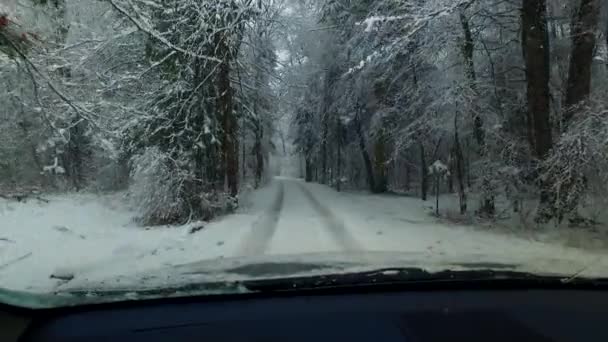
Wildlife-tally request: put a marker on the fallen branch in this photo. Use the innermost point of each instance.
(63, 275)
(23, 196)
(5, 265)
(196, 228)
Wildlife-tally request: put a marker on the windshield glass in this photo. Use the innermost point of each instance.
(157, 144)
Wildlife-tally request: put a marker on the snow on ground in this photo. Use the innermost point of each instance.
(93, 238)
(522, 223)
(404, 224)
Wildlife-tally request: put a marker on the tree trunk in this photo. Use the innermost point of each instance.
(339, 166)
(468, 49)
(606, 34)
(368, 163)
(459, 166)
(581, 57)
(424, 173)
(196, 187)
(407, 177)
(466, 164)
(243, 157)
(487, 206)
(76, 150)
(212, 170)
(366, 159)
(450, 176)
(380, 160)
(537, 57)
(437, 195)
(229, 141)
(328, 82)
(308, 169)
(330, 170)
(536, 51)
(25, 124)
(259, 156)
(75, 153)
(324, 150)
(340, 135)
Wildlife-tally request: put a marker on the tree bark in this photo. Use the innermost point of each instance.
(230, 145)
(243, 156)
(459, 166)
(75, 153)
(581, 57)
(537, 57)
(466, 164)
(437, 177)
(487, 206)
(536, 51)
(365, 154)
(77, 148)
(424, 173)
(606, 34)
(340, 141)
(308, 169)
(380, 160)
(407, 177)
(339, 166)
(452, 169)
(468, 49)
(259, 156)
(324, 149)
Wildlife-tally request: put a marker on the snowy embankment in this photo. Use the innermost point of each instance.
(399, 223)
(94, 238)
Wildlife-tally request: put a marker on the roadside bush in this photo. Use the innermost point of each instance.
(157, 187)
(165, 191)
(578, 163)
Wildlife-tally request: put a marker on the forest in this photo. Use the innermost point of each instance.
(184, 104)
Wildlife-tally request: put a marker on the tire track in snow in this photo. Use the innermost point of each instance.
(264, 227)
(334, 226)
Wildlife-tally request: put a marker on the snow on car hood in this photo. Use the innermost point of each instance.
(314, 264)
(224, 276)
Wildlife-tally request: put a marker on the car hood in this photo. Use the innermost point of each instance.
(225, 276)
(314, 264)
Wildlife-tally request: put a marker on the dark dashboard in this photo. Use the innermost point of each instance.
(357, 315)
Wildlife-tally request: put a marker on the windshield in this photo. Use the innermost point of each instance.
(166, 143)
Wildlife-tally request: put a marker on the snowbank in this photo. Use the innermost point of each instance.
(95, 237)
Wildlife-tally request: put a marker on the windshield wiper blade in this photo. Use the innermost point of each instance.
(416, 278)
(105, 295)
(375, 280)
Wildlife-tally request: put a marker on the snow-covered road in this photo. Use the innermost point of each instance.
(93, 238)
(312, 218)
(297, 222)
